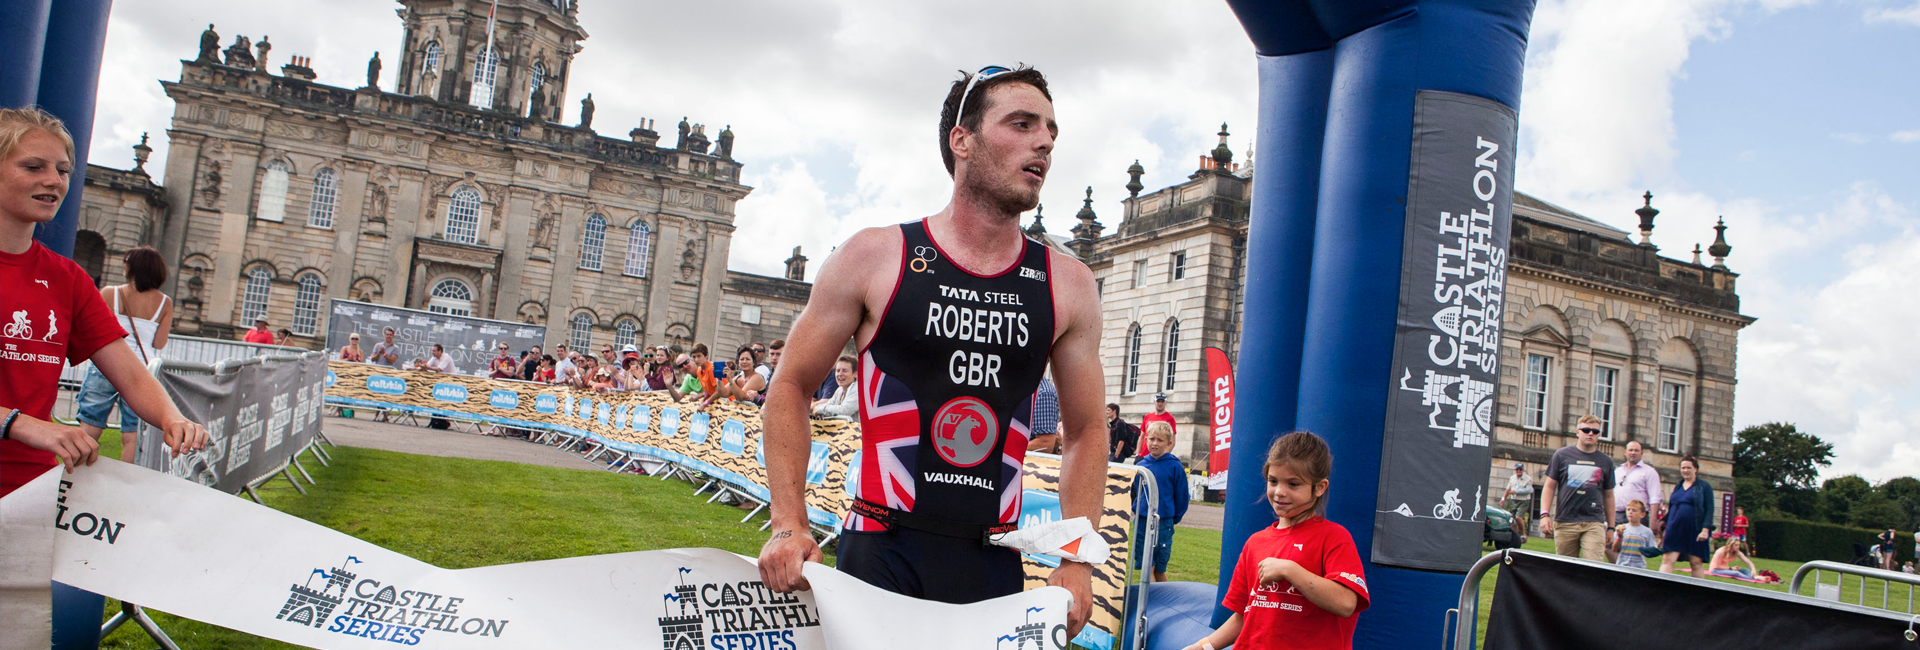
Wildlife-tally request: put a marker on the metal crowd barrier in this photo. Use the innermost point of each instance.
(190, 349)
(1831, 592)
(1466, 613)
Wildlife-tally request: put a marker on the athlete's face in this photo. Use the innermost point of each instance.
(1006, 162)
(34, 179)
(1291, 494)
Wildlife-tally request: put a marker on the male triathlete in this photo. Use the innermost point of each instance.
(956, 316)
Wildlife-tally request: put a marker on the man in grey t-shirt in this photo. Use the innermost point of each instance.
(1578, 496)
(386, 352)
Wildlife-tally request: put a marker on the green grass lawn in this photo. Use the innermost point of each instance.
(458, 513)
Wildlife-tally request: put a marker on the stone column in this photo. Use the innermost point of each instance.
(486, 302)
(417, 287)
(235, 214)
(519, 220)
(719, 240)
(666, 237)
(180, 180)
(566, 265)
(346, 229)
(409, 200)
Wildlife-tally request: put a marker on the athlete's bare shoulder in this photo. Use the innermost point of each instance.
(1076, 298)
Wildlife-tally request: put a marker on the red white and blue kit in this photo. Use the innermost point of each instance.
(946, 397)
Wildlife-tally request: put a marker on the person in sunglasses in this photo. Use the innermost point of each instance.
(1577, 499)
(958, 315)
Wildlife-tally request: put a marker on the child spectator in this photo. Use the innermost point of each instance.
(1170, 479)
(1298, 584)
(56, 314)
(1634, 540)
(1740, 524)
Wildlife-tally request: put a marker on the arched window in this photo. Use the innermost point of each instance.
(624, 331)
(1132, 382)
(451, 296)
(433, 59)
(320, 209)
(639, 249)
(306, 305)
(538, 78)
(253, 302)
(1173, 355)
(578, 332)
(485, 65)
(273, 192)
(593, 243)
(463, 216)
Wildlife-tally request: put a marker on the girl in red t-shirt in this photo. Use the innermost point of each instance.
(1299, 583)
(53, 314)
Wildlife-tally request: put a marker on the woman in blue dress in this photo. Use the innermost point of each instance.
(1689, 521)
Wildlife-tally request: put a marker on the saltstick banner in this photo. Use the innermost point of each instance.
(1446, 347)
(1220, 410)
(117, 530)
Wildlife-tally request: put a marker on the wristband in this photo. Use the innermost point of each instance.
(6, 429)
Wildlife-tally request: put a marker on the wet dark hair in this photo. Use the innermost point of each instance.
(145, 268)
(977, 105)
(1307, 455)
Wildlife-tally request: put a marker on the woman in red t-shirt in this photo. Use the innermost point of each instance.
(51, 313)
(1298, 584)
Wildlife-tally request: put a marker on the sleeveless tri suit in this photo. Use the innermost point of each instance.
(946, 398)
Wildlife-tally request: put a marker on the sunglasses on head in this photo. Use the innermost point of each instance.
(989, 72)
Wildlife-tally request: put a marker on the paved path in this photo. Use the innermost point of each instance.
(1201, 516)
(362, 431)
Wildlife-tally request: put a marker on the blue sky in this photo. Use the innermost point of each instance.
(1796, 120)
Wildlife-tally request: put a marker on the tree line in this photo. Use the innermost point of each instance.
(1776, 472)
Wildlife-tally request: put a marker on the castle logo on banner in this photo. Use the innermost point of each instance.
(354, 605)
(731, 616)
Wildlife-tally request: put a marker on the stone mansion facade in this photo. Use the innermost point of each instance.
(456, 190)
(1598, 323)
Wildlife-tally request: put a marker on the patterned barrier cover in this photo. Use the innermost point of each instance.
(724, 442)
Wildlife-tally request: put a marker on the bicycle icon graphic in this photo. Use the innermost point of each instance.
(20, 328)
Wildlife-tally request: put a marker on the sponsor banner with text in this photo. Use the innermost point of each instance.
(1220, 413)
(257, 416)
(470, 341)
(114, 529)
(1446, 353)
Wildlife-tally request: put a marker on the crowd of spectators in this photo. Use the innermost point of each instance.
(691, 376)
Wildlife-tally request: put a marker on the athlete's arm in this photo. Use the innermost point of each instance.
(1082, 386)
(833, 314)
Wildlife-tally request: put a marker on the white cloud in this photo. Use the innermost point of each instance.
(1909, 14)
(1831, 287)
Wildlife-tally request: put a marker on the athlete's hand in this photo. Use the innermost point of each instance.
(1076, 577)
(183, 436)
(782, 557)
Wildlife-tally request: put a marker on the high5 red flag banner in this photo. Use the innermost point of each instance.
(1220, 415)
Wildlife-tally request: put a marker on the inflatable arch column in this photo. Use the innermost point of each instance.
(1338, 86)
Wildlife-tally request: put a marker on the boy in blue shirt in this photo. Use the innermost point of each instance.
(1170, 477)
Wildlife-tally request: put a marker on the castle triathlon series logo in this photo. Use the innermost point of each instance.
(1035, 633)
(358, 606)
(731, 616)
